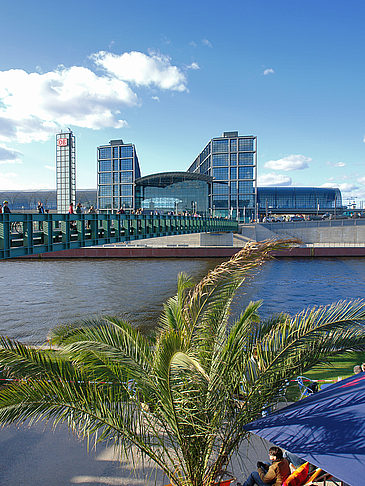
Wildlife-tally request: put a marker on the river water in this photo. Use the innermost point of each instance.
(38, 295)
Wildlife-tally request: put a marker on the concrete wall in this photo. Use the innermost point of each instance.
(323, 233)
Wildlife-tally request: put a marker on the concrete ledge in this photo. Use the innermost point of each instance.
(195, 252)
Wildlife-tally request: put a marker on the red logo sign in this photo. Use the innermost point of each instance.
(62, 142)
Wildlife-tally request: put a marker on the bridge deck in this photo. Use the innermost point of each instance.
(30, 234)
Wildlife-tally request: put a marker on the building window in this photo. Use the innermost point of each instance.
(221, 173)
(126, 177)
(115, 152)
(105, 191)
(233, 145)
(245, 159)
(126, 151)
(233, 171)
(245, 172)
(245, 144)
(219, 146)
(105, 165)
(220, 159)
(126, 164)
(126, 190)
(115, 164)
(105, 153)
(233, 159)
(105, 178)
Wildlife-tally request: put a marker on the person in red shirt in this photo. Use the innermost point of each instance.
(71, 209)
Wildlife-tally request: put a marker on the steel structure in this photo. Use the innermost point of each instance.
(29, 234)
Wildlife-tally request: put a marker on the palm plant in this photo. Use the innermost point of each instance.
(182, 397)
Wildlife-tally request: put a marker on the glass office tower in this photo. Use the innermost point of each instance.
(232, 161)
(66, 170)
(118, 167)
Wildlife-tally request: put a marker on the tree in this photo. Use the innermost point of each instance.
(182, 396)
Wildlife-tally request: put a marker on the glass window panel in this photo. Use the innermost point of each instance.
(245, 172)
(220, 189)
(126, 151)
(233, 159)
(105, 153)
(126, 190)
(105, 178)
(245, 159)
(116, 177)
(115, 152)
(233, 171)
(221, 173)
(219, 146)
(105, 190)
(126, 177)
(126, 164)
(126, 202)
(105, 165)
(115, 164)
(220, 159)
(245, 144)
(233, 144)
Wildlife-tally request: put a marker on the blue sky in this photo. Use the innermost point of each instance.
(170, 75)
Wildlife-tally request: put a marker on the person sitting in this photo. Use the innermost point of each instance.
(362, 366)
(357, 369)
(274, 474)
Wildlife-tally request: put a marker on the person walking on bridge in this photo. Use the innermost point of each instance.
(6, 207)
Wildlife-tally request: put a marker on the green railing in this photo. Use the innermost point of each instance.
(29, 234)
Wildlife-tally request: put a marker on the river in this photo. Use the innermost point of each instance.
(38, 295)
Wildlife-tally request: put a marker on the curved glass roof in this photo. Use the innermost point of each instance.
(164, 179)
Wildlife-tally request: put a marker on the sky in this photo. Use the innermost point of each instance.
(170, 75)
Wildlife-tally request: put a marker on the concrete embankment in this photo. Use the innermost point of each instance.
(319, 239)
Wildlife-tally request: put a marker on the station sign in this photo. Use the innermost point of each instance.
(62, 142)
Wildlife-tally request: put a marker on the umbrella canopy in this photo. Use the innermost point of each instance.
(326, 429)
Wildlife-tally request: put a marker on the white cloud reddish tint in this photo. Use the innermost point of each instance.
(34, 106)
(142, 70)
(273, 180)
(290, 162)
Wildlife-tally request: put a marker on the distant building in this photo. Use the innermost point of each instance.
(231, 160)
(65, 170)
(304, 200)
(118, 168)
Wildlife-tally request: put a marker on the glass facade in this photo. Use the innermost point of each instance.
(176, 192)
(231, 160)
(298, 199)
(65, 171)
(118, 167)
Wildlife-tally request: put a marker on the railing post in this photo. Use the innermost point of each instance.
(28, 233)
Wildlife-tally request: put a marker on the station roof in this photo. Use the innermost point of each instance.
(164, 179)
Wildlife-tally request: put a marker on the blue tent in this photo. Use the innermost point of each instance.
(326, 429)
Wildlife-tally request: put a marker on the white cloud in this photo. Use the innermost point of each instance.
(207, 43)
(344, 187)
(363, 139)
(361, 180)
(50, 167)
(34, 106)
(269, 71)
(193, 65)
(336, 164)
(142, 70)
(274, 180)
(290, 162)
(156, 98)
(193, 44)
(9, 156)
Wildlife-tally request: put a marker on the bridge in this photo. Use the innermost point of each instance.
(30, 234)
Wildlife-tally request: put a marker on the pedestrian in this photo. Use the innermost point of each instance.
(40, 209)
(362, 366)
(71, 208)
(91, 210)
(1, 209)
(357, 369)
(6, 207)
(79, 208)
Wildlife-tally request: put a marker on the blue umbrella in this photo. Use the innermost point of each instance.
(326, 429)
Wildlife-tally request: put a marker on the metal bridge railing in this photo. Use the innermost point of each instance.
(29, 234)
